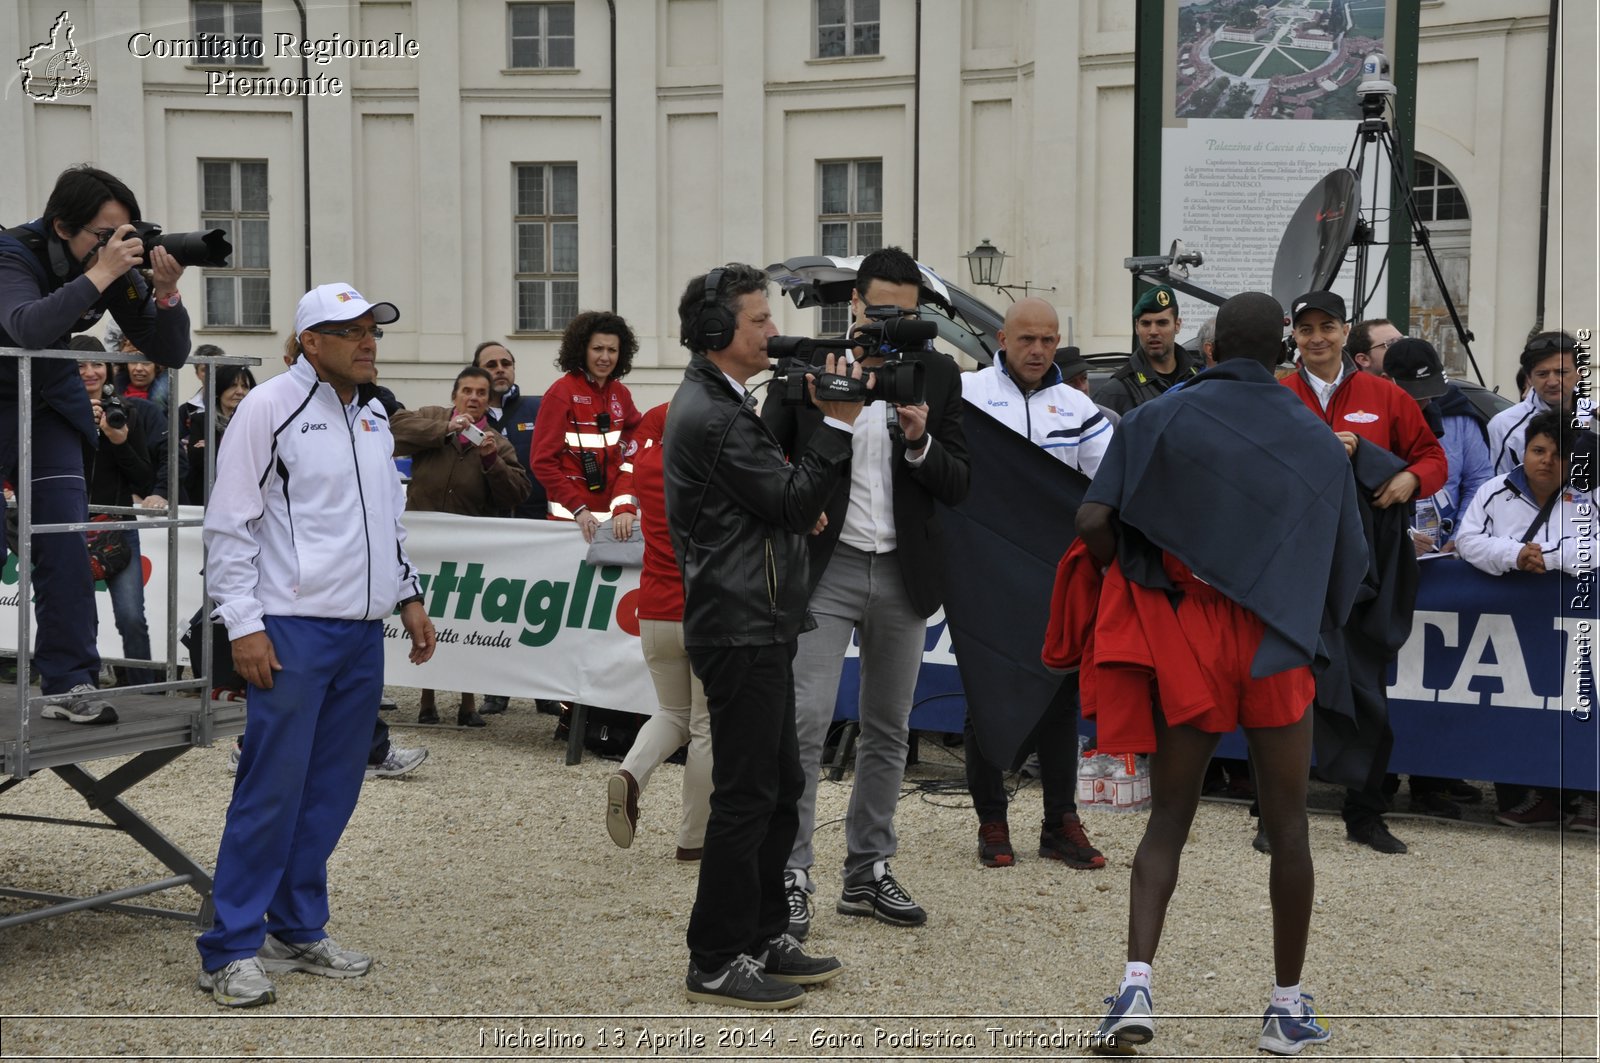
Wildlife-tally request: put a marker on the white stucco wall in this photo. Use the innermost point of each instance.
(1026, 132)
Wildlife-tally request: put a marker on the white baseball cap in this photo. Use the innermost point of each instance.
(339, 302)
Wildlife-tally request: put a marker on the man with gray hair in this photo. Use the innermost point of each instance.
(306, 559)
(738, 513)
(1205, 341)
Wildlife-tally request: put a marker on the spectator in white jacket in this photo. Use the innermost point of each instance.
(1531, 519)
(1551, 363)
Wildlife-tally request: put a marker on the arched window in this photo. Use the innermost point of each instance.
(1442, 207)
(1439, 198)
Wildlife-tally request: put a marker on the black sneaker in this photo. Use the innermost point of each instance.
(795, 882)
(494, 704)
(741, 983)
(785, 961)
(882, 898)
(1375, 834)
(1069, 843)
(994, 844)
(81, 704)
(1434, 803)
(1462, 792)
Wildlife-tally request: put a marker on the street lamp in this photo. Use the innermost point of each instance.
(985, 262)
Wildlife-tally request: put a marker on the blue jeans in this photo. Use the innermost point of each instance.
(64, 652)
(127, 607)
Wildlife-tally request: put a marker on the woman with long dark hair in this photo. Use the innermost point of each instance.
(583, 439)
(206, 427)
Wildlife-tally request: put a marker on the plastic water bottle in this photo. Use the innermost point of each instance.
(1089, 768)
(1428, 521)
(1130, 785)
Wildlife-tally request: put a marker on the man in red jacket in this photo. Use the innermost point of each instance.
(1363, 410)
(1359, 406)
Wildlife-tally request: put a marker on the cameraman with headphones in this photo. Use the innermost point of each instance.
(738, 514)
(59, 275)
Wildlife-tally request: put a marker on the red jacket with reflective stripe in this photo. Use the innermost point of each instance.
(568, 425)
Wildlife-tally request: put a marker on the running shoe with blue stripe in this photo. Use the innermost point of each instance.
(1129, 1022)
(1284, 1033)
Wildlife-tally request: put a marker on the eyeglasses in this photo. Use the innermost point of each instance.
(354, 332)
(1381, 346)
(102, 234)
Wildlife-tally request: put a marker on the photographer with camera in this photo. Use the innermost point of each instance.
(120, 467)
(876, 569)
(738, 512)
(458, 465)
(583, 437)
(59, 275)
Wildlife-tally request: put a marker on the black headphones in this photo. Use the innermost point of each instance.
(712, 328)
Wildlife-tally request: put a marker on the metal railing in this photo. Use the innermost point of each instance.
(170, 520)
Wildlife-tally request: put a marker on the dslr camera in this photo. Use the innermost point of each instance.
(209, 248)
(113, 410)
(885, 334)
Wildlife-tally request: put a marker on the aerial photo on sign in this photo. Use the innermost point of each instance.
(1279, 59)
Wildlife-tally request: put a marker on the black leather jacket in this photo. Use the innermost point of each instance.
(1137, 383)
(739, 513)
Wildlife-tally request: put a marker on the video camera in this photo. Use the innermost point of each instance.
(208, 248)
(885, 334)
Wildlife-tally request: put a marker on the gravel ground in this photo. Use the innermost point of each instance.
(507, 925)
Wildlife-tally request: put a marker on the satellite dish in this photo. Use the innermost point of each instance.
(1317, 236)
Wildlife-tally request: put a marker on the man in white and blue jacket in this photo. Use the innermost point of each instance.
(1025, 391)
(305, 559)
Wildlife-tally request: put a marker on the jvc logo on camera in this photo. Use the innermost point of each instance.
(307, 426)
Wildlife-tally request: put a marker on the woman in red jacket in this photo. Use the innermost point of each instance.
(583, 445)
(683, 716)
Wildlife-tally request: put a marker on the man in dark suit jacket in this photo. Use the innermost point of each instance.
(876, 568)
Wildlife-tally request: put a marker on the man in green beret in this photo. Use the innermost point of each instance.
(1158, 362)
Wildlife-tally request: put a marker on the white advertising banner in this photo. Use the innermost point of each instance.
(517, 609)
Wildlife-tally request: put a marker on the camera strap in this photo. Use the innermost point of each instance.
(1543, 516)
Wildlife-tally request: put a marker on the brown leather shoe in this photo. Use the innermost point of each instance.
(689, 855)
(622, 808)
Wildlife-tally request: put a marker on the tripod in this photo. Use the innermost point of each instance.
(1375, 127)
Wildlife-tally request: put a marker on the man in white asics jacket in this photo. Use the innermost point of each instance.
(1024, 390)
(305, 559)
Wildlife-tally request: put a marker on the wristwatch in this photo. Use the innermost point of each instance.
(169, 301)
